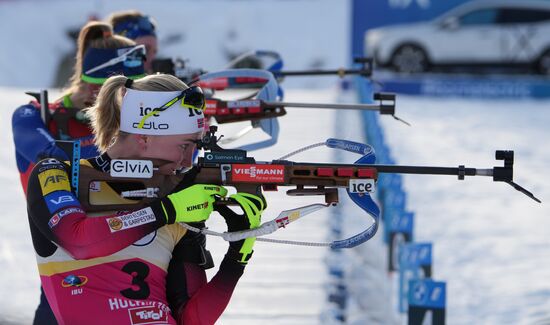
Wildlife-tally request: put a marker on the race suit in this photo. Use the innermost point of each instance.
(125, 267)
(34, 140)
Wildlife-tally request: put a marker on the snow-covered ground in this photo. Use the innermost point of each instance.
(491, 243)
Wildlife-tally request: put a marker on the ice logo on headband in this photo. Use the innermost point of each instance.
(144, 111)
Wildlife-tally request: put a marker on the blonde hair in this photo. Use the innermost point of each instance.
(105, 114)
(98, 35)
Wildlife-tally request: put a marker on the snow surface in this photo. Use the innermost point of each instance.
(491, 243)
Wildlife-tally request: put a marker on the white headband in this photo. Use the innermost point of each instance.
(176, 119)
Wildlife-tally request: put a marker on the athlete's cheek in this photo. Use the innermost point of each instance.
(184, 160)
(167, 169)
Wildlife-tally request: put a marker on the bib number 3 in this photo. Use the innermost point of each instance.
(139, 271)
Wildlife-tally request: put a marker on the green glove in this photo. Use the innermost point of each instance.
(253, 207)
(193, 204)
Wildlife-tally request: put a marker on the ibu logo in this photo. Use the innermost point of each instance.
(131, 168)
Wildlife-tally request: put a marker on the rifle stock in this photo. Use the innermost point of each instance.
(232, 167)
(305, 178)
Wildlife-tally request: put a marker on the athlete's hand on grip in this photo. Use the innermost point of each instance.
(253, 207)
(192, 204)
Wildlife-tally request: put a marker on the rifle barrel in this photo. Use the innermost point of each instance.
(425, 170)
(339, 72)
(433, 170)
(372, 107)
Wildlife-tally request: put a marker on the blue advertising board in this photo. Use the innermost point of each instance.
(495, 86)
(400, 232)
(427, 297)
(415, 262)
(427, 293)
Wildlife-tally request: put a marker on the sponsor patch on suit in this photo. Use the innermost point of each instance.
(59, 200)
(131, 220)
(58, 216)
(52, 180)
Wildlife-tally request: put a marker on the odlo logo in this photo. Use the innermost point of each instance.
(151, 126)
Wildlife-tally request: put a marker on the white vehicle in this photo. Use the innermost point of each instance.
(501, 33)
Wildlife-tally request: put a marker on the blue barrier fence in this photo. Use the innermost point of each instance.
(419, 295)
